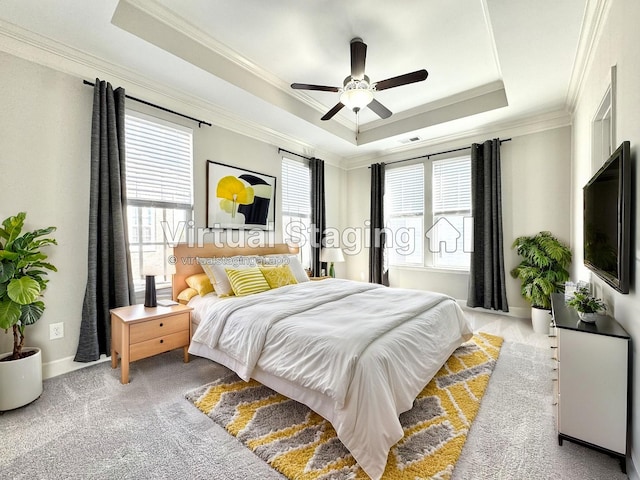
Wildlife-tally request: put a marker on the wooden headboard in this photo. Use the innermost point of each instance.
(186, 259)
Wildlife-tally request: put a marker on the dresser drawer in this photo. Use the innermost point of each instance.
(158, 345)
(140, 332)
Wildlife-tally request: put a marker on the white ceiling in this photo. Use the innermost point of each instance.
(489, 61)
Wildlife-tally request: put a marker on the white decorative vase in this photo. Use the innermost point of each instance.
(20, 380)
(588, 317)
(540, 320)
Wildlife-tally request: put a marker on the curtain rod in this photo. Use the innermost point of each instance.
(292, 153)
(200, 122)
(429, 155)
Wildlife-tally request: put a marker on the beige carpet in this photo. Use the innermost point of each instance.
(301, 445)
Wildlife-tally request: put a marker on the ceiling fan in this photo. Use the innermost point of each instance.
(357, 91)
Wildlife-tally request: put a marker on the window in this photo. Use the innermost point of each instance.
(159, 192)
(296, 206)
(440, 238)
(404, 212)
(451, 211)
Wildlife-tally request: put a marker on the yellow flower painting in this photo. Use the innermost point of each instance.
(233, 192)
(239, 199)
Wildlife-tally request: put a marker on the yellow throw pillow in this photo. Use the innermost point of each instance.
(187, 294)
(215, 270)
(278, 276)
(200, 282)
(247, 281)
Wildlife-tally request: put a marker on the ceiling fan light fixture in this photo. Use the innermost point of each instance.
(356, 94)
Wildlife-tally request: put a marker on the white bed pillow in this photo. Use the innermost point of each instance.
(287, 259)
(215, 270)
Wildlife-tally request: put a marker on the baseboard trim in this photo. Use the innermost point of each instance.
(632, 472)
(66, 365)
(517, 312)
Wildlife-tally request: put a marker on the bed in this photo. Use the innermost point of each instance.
(356, 353)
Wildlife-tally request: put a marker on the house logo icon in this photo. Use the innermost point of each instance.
(444, 236)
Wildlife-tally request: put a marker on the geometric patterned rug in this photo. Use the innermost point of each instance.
(302, 445)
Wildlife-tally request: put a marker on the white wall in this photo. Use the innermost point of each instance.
(535, 196)
(45, 131)
(617, 45)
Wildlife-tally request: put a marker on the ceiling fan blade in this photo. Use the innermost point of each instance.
(333, 111)
(379, 109)
(358, 58)
(306, 86)
(407, 78)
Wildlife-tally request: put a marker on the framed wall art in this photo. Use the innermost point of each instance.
(239, 199)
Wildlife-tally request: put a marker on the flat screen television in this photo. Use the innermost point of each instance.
(607, 228)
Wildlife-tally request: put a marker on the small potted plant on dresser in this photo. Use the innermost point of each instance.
(542, 271)
(588, 307)
(23, 272)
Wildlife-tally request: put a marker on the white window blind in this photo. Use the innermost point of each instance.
(159, 162)
(296, 206)
(451, 205)
(296, 188)
(159, 159)
(404, 190)
(452, 186)
(404, 212)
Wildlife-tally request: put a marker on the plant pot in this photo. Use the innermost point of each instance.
(20, 380)
(588, 317)
(540, 320)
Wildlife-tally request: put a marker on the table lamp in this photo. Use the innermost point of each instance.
(331, 255)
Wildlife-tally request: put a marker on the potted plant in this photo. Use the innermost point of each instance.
(542, 271)
(23, 272)
(587, 306)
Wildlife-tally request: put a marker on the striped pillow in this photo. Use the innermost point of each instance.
(247, 281)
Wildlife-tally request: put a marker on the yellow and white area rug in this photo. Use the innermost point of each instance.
(301, 445)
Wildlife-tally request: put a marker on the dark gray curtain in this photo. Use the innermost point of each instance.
(378, 272)
(487, 286)
(109, 279)
(318, 215)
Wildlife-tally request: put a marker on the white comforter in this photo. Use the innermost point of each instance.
(370, 349)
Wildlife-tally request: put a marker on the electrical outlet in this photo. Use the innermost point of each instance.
(56, 330)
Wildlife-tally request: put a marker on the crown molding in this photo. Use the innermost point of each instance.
(512, 128)
(595, 16)
(44, 51)
(134, 18)
(168, 17)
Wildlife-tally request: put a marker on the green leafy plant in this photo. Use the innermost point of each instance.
(543, 269)
(23, 272)
(582, 301)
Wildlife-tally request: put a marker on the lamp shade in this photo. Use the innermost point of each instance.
(331, 254)
(357, 98)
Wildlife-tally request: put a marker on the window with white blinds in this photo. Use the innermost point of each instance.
(451, 212)
(159, 160)
(404, 212)
(296, 206)
(159, 185)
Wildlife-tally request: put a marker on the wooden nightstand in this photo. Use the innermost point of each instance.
(319, 278)
(140, 332)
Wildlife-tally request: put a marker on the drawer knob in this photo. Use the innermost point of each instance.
(161, 341)
(162, 324)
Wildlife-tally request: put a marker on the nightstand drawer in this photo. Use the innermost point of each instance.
(140, 332)
(158, 345)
